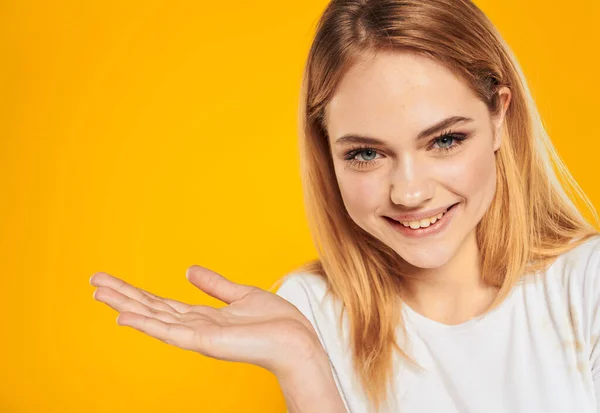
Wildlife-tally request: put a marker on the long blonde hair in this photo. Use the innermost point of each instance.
(362, 272)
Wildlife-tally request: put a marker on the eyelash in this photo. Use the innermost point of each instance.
(457, 139)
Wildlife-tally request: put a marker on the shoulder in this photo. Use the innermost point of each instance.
(571, 285)
(582, 268)
(584, 254)
(578, 267)
(309, 293)
(302, 289)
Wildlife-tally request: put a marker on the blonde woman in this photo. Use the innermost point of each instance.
(454, 273)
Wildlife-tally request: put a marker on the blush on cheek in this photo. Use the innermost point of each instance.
(361, 196)
(485, 171)
(479, 181)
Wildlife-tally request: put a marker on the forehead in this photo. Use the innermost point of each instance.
(397, 91)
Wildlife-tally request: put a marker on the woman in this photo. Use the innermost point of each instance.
(455, 274)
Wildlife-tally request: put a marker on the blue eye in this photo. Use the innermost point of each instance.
(449, 141)
(362, 150)
(368, 151)
(445, 139)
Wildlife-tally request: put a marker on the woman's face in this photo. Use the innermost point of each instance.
(392, 161)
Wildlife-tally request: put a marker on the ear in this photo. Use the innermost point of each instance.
(505, 95)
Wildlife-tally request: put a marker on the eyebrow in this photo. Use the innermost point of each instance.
(441, 125)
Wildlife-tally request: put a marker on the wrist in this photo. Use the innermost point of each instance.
(311, 357)
(310, 386)
(306, 354)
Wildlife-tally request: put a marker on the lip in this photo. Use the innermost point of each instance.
(433, 229)
(421, 215)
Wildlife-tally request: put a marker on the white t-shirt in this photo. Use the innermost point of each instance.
(537, 352)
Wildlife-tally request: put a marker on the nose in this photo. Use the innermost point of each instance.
(411, 184)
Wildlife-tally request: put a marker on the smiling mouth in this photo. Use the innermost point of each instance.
(425, 222)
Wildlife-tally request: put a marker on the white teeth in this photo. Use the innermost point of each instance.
(423, 223)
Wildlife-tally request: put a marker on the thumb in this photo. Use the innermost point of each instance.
(216, 285)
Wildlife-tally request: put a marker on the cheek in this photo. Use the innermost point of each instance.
(483, 180)
(361, 192)
(473, 176)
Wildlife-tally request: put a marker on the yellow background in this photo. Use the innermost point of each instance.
(141, 137)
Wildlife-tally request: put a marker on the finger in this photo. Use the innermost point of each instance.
(150, 300)
(121, 303)
(216, 285)
(174, 304)
(171, 333)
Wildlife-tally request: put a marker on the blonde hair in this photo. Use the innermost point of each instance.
(362, 272)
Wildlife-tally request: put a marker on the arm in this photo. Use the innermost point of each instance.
(256, 327)
(310, 387)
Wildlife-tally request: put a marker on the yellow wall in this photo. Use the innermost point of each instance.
(141, 137)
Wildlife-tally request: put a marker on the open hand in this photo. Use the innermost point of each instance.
(256, 326)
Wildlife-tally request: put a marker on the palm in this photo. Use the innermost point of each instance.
(256, 327)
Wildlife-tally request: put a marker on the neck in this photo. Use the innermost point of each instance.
(453, 293)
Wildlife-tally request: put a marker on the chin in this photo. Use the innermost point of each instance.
(425, 260)
(423, 256)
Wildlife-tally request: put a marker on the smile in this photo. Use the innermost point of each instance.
(426, 226)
